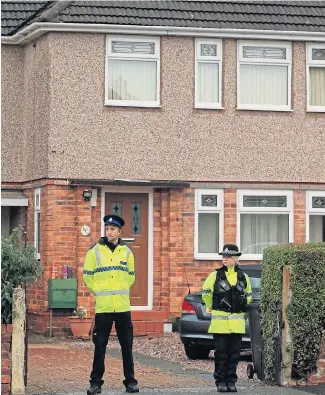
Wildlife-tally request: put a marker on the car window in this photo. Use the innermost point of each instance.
(255, 283)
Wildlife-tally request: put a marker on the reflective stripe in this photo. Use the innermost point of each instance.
(109, 268)
(132, 273)
(206, 291)
(104, 293)
(249, 294)
(97, 256)
(90, 273)
(227, 317)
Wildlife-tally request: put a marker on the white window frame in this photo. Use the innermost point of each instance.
(313, 63)
(215, 210)
(143, 57)
(263, 210)
(208, 59)
(37, 210)
(259, 61)
(312, 211)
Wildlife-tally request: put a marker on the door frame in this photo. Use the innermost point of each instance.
(149, 191)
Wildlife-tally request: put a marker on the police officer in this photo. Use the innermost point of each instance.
(226, 291)
(109, 274)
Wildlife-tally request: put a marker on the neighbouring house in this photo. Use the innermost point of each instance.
(200, 122)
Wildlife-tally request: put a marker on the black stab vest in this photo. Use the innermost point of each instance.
(232, 294)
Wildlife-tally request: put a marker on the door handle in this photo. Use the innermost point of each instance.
(128, 239)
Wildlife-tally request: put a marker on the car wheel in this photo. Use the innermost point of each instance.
(250, 371)
(197, 352)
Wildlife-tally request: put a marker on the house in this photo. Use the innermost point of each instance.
(200, 122)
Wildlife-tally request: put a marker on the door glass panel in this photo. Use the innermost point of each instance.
(117, 209)
(136, 218)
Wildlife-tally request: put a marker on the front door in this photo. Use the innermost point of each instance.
(133, 208)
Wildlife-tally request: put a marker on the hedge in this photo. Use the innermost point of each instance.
(306, 312)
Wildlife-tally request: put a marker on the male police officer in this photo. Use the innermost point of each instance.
(109, 274)
(226, 291)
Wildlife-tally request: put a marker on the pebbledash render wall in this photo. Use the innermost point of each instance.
(64, 211)
(62, 103)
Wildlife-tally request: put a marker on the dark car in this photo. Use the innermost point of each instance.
(195, 321)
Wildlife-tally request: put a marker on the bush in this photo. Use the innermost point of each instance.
(306, 312)
(18, 266)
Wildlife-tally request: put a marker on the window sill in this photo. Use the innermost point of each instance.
(251, 257)
(315, 109)
(198, 107)
(208, 258)
(132, 104)
(264, 109)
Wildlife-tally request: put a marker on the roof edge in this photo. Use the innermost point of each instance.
(37, 29)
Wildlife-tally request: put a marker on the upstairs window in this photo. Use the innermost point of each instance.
(208, 55)
(316, 77)
(37, 222)
(132, 71)
(264, 76)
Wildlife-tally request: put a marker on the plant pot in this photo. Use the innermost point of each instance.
(80, 327)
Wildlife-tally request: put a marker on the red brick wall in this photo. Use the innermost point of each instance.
(6, 331)
(64, 211)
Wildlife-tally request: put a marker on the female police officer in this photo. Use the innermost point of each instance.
(109, 274)
(226, 291)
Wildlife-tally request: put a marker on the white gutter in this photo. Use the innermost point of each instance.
(37, 29)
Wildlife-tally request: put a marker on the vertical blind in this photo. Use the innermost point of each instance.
(317, 86)
(132, 80)
(263, 84)
(208, 82)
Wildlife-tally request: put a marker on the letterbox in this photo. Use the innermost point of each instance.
(62, 293)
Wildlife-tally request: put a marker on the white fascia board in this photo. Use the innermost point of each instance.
(37, 29)
(20, 202)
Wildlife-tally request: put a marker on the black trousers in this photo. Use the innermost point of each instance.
(102, 330)
(226, 357)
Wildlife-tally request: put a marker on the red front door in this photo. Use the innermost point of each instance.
(133, 208)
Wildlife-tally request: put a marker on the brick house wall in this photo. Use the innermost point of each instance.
(6, 333)
(64, 211)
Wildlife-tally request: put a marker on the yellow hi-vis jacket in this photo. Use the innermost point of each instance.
(109, 276)
(222, 321)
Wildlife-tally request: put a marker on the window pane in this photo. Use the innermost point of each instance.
(264, 52)
(318, 202)
(317, 86)
(133, 47)
(38, 232)
(264, 201)
(208, 50)
(208, 237)
(316, 228)
(136, 218)
(208, 82)
(132, 80)
(318, 54)
(263, 84)
(117, 209)
(258, 231)
(209, 200)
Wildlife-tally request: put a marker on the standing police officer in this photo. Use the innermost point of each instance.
(226, 291)
(109, 274)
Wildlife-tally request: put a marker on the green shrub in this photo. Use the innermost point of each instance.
(18, 266)
(306, 312)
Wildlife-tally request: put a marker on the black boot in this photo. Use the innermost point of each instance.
(222, 387)
(132, 388)
(94, 389)
(231, 386)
